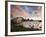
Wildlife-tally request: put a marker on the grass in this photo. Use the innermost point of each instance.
(15, 28)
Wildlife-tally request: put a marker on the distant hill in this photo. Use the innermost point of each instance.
(21, 19)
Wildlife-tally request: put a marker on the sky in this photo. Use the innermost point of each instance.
(26, 11)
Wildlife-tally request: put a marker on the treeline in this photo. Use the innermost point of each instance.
(21, 19)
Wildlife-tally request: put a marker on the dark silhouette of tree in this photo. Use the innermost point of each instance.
(31, 20)
(27, 20)
(40, 20)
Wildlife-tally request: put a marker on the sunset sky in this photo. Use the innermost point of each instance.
(26, 11)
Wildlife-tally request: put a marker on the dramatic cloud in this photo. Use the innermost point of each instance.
(26, 11)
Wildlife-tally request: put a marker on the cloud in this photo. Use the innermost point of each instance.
(25, 10)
